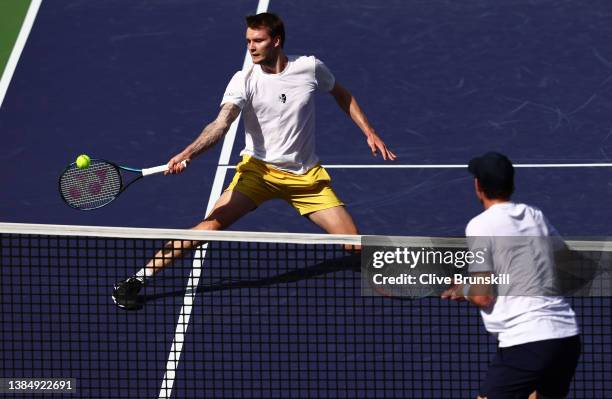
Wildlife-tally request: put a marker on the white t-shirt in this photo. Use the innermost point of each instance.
(279, 111)
(514, 319)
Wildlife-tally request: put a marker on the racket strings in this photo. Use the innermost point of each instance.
(405, 277)
(91, 187)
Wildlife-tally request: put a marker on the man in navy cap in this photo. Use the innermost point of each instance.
(538, 336)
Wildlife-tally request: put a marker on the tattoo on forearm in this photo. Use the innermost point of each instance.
(215, 130)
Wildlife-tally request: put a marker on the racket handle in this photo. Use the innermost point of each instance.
(158, 169)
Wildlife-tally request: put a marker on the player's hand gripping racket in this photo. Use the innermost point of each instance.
(98, 184)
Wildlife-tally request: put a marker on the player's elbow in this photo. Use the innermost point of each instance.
(222, 125)
(342, 96)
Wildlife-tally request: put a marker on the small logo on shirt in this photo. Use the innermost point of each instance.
(282, 98)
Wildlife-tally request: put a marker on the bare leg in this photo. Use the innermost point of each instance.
(335, 220)
(230, 207)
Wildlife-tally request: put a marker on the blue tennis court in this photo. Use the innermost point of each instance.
(441, 81)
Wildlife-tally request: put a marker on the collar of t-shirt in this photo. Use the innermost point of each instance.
(274, 75)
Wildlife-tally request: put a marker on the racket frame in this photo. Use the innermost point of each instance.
(141, 173)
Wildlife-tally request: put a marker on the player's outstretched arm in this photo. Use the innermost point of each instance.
(210, 136)
(349, 104)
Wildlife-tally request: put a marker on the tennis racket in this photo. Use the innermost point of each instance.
(98, 184)
(410, 285)
(403, 291)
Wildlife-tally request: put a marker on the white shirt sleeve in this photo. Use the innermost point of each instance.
(558, 244)
(325, 79)
(479, 241)
(235, 92)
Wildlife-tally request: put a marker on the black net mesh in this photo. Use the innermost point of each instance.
(266, 319)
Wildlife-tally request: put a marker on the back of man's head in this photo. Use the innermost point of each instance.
(495, 175)
(270, 21)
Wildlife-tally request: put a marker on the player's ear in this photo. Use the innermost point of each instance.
(276, 40)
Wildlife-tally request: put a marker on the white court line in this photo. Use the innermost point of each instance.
(196, 270)
(454, 166)
(20, 43)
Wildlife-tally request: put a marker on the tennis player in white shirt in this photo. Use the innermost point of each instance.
(539, 342)
(276, 96)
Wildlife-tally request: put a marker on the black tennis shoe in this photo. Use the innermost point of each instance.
(125, 294)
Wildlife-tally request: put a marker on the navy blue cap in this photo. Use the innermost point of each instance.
(494, 171)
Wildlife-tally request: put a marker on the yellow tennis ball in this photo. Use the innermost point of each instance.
(83, 161)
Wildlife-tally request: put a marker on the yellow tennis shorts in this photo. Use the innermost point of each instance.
(307, 193)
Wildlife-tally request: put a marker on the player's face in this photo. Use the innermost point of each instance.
(263, 48)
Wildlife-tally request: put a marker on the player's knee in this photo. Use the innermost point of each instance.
(346, 225)
(351, 229)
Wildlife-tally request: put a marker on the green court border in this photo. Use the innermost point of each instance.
(12, 14)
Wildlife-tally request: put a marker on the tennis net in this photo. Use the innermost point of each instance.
(266, 315)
